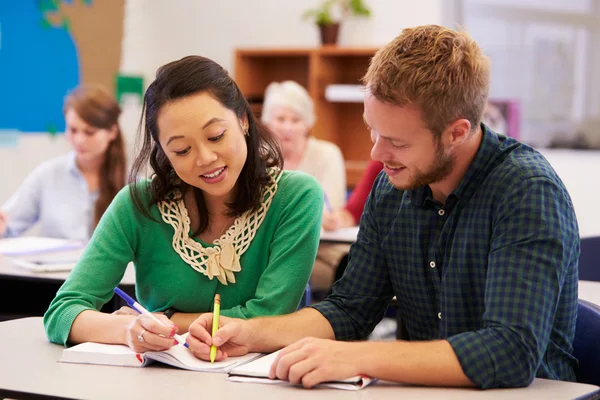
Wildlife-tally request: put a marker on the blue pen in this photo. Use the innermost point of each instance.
(138, 307)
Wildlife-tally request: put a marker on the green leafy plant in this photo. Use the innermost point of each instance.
(324, 14)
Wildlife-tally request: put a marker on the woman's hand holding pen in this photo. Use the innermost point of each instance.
(152, 332)
(231, 339)
(145, 334)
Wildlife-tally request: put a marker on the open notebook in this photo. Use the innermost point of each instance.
(121, 355)
(257, 371)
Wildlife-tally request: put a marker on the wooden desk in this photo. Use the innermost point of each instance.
(29, 368)
(590, 291)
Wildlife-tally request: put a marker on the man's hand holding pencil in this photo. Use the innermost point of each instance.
(231, 339)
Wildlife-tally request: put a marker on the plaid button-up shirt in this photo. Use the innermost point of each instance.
(494, 270)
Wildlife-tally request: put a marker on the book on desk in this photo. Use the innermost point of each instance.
(121, 355)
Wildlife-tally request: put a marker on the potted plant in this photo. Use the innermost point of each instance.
(331, 12)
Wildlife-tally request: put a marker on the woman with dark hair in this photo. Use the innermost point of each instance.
(68, 195)
(218, 216)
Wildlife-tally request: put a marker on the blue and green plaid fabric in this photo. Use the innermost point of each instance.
(493, 271)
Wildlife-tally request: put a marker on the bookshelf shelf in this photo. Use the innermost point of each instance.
(343, 93)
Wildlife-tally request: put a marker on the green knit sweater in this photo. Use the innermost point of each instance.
(275, 268)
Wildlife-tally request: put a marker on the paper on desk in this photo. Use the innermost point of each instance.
(36, 245)
(42, 266)
(344, 235)
(333, 385)
(257, 371)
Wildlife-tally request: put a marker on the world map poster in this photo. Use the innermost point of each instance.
(47, 47)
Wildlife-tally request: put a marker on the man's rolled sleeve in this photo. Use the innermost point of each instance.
(474, 358)
(339, 320)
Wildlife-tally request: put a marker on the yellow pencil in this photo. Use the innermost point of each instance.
(215, 325)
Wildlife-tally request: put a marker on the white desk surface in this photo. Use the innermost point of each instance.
(590, 291)
(8, 268)
(29, 366)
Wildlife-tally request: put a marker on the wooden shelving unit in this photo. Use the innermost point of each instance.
(315, 69)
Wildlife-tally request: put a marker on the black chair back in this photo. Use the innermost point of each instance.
(586, 347)
(589, 260)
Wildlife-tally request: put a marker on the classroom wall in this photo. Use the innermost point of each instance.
(160, 31)
(215, 29)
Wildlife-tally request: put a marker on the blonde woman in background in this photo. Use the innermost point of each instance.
(288, 111)
(68, 195)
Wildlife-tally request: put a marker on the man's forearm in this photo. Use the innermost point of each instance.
(421, 363)
(272, 333)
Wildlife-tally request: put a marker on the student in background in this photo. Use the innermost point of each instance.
(349, 215)
(68, 195)
(472, 231)
(288, 111)
(332, 259)
(218, 216)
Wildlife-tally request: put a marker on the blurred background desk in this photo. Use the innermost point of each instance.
(27, 293)
(578, 169)
(590, 291)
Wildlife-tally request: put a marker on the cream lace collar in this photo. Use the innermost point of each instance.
(223, 259)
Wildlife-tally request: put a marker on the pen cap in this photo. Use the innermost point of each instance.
(128, 299)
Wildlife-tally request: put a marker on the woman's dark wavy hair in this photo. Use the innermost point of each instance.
(176, 80)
